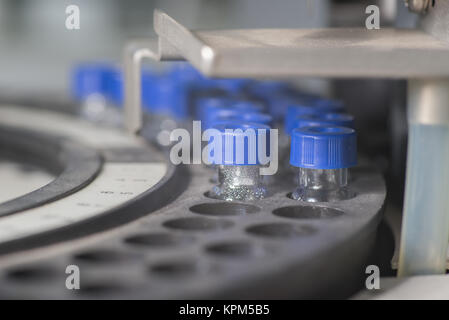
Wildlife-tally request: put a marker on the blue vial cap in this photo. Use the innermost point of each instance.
(148, 78)
(313, 120)
(232, 114)
(206, 105)
(248, 106)
(278, 104)
(203, 84)
(328, 104)
(268, 88)
(115, 88)
(255, 117)
(277, 95)
(218, 114)
(232, 86)
(326, 147)
(90, 78)
(295, 111)
(238, 143)
(162, 95)
(226, 108)
(184, 72)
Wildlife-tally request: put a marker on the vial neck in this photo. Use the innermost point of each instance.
(323, 179)
(322, 185)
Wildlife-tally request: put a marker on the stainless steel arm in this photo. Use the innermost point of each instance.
(134, 53)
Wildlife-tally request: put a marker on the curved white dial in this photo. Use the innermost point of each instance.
(117, 183)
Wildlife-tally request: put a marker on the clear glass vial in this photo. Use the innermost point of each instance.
(96, 87)
(239, 163)
(239, 183)
(230, 111)
(166, 103)
(319, 120)
(323, 155)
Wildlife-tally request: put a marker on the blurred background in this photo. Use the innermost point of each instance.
(37, 51)
(38, 55)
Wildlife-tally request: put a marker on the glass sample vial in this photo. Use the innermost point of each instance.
(98, 87)
(323, 155)
(297, 110)
(237, 159)
(89, 86)
(214, 115)
(166, 103)
(318, 119)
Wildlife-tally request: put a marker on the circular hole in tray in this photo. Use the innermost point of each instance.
(224, 209)
(198, 224)
(307, 212)
(280, 230)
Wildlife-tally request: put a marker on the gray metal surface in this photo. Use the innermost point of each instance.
(328, 52)
(75, 164)
(431, 287)
(198, 247)
(341, 52)
(134, 53)
(79, 156)
(428, 101)
(436, 21)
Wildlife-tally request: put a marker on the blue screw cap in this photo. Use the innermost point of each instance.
(184, 72)
(274, 94)
(90, 78)
(248, 106)
(231, 86)
(212, 109)
(114, 88)
(328, 104)
(309, 106)
(295, 111)
(268, 88)
(325, 147)
(218, 114)
(238, 143)
(314, 120)
(162, 95)
(278, 103)
(256, 117)
(232, 114)
(206, 105)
